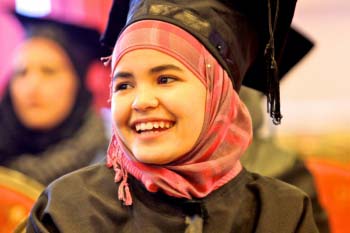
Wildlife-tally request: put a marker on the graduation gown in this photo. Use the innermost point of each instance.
(87, 201)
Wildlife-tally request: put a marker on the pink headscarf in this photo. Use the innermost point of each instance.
(227, 129)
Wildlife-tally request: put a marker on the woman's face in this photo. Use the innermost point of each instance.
(44, 85)
(158, 106)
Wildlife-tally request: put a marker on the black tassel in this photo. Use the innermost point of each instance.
(273, 88)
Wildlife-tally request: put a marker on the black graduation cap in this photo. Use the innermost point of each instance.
(80, 43)
(247, 37)
(297, 46)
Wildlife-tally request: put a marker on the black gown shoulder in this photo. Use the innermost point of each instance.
(87, 201)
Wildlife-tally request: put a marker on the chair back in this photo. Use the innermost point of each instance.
(17, 196)
(333, 185)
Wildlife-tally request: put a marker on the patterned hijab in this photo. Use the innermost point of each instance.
(227, 129)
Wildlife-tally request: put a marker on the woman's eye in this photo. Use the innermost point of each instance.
(19, 73)
(165, 79)
(121, 86)
(48, 70)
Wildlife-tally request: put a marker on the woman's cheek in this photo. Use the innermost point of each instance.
(120, 107)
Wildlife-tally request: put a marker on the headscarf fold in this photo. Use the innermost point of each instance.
(226, 132)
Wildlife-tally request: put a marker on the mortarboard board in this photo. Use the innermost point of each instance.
(247, 37)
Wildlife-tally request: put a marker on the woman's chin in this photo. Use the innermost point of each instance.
(153, 158)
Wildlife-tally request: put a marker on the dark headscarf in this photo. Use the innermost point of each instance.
(81, 46)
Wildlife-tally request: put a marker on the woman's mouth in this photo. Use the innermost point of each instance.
(154, 126)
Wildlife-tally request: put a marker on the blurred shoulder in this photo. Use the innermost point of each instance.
(282, 206)
(271, 187)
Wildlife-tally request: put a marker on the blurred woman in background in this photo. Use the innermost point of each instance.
(48, 126)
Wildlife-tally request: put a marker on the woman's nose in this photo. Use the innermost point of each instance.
(145, 100)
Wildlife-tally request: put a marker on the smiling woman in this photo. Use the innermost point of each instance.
(180, 128)
(157, 96)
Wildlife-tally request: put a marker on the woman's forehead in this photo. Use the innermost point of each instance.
(149, 58)
(41, 49)
(147, 62)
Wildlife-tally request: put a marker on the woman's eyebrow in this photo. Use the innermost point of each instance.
(157, 69)
(122, 74)
(164, 67)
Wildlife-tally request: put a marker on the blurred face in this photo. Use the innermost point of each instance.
(44, 85)
(158, 106)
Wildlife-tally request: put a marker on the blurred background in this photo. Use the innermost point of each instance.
(315, 95)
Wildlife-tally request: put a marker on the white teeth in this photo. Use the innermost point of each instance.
(143, 126)
(137, 127)
(161, 124)
(153, 125)
(149, 125)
